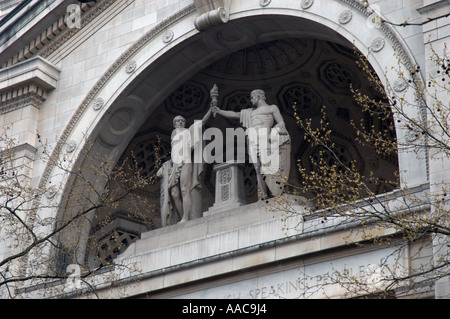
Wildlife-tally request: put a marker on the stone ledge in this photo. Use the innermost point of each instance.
(433, 6)
(36, 70)
(242, 218)
(238, 240)
(247, 228)
(257, 247)
(269, 255)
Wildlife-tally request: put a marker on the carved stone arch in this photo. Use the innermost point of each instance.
(117, 82)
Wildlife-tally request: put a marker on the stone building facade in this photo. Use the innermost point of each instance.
(86, 85)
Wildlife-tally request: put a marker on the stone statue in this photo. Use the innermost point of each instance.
(264, 125)
(181, 197)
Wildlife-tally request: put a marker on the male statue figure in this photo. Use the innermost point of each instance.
(264, 124)
(180, 176)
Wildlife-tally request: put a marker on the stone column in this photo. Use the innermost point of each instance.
(229, 187)
(23, 88)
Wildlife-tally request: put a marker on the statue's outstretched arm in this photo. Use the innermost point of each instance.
(207, 115)
(227, 114)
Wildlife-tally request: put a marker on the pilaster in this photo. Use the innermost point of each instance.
(23, 88)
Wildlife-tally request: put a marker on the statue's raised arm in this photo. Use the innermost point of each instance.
(215, 108)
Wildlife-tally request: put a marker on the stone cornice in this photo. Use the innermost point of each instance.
(64, 40)
(36, 69)
(56, 34)
(27, 24)
(35, 38)
(34, 97)
(26, 83)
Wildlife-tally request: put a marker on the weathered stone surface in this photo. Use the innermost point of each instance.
(112, 85)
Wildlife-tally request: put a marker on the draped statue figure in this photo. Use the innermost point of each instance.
(268, 140)
(181, 189)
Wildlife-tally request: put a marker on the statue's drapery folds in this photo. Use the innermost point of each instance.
(181, 189)
(269, 147)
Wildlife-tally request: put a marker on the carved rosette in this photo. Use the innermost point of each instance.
(400, 85)
(345, 17)
(168, 36)
(51, 192)
(306, 4)
(98, 104)
(130, 67)
(71, 146)
(377, 45)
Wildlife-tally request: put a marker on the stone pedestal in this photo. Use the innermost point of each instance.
(229, 188)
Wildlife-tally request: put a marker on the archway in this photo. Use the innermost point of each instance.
(309, 73)
(155, 83)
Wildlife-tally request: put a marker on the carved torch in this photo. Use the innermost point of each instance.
(214, 93)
